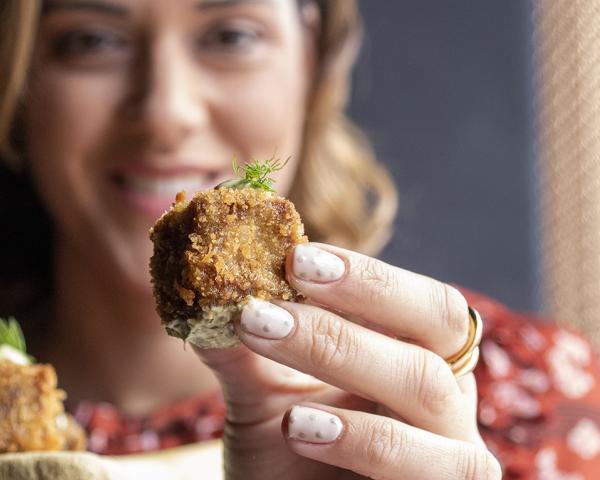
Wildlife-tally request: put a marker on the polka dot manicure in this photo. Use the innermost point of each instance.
(312, 425)
(316, 265)
(266, 320)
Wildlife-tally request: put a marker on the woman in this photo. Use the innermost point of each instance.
(125, 102)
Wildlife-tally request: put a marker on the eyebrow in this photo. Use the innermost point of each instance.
(93, 5)
(209, 4)
(113, 9)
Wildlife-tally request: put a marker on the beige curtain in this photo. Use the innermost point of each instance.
(567, 39)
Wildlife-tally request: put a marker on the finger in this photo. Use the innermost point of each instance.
(408, 379)
(255, 388)
(468, 386)
(382, 448)
(426, 311)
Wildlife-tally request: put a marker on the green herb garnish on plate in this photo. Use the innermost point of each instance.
(254, 174)
(11, 336)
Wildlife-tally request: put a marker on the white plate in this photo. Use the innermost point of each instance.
(197, 461)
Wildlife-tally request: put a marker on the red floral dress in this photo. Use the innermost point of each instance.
(539, 403)
(539, 396)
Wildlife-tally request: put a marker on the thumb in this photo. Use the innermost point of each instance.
(255, 388)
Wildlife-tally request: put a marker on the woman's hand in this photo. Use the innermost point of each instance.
(379, 407)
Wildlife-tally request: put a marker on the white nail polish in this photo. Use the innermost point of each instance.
(312, 425)
(316, 265)
(266, 320)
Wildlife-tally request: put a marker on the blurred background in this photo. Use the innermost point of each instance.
(444, 90)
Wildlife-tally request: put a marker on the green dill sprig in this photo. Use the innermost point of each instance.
(254, 174)
(12, 335)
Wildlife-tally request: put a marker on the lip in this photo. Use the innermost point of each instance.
(150, 190)
(170, 170)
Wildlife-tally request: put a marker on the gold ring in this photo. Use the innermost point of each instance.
(465, 360)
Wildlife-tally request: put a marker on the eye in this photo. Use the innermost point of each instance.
(234, 38)
(231, 38)
(88, 42)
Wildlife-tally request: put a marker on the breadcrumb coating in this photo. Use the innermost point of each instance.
(213, 253)
(32, 416)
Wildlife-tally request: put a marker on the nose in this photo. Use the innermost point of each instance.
(167, 104)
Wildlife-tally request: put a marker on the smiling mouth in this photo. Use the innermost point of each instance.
(153, 194)
(165, 186)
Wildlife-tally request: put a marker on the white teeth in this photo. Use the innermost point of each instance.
(164, 186)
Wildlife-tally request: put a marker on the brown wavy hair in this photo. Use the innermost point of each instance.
(344, 195)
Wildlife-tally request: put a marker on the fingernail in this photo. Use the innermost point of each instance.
(316, 265)
(312, 425)
(266, 320)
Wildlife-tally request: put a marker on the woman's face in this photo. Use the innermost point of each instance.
(131, 101)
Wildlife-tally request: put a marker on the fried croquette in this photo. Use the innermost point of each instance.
(215, 252)
(32, 416)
